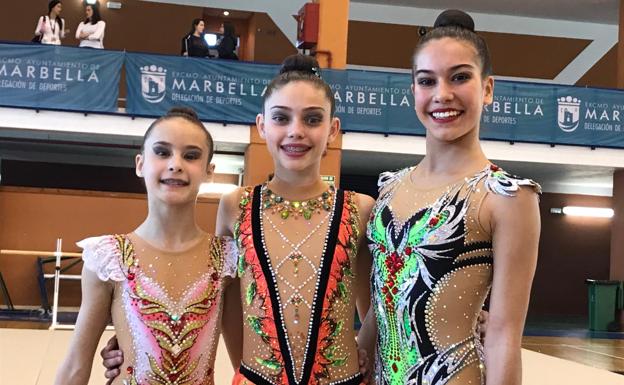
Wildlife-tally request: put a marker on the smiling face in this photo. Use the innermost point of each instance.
(174, 161)
(449, 91)
(297, 126)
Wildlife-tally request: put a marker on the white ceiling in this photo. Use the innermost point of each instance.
(595, 11)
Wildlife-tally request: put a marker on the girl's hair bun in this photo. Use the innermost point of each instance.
(454, 18)
(300, 63)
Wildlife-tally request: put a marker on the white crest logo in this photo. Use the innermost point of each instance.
(568, 113)
(153, 83)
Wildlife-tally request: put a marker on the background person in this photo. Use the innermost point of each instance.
(51, 27)
(194, 44)
(90, 32)
(227, 44)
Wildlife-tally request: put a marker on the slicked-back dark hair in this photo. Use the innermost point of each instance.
(458, 25)
(304, 68)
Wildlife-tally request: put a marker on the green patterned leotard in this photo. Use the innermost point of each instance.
(432, 272)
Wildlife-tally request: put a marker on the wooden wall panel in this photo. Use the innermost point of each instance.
(391, 45)
(32, 219)
(571, 250)
(272, 46)
(603, 73)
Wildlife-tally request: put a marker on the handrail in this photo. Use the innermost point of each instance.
(33, 253)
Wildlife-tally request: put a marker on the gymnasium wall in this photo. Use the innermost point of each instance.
(32, 219)
(571, 250)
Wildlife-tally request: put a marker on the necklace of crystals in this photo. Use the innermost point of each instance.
(296, 256)
(304, 208)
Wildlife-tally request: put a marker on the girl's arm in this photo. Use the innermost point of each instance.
(515, 224)
(227, 212)
(92, 320)
(232, 318)
(79, 31)
(364, 259)
(366, 339)
(99, 31)
(40, 26)
(62, 31)
(367, 333)
(232, 323)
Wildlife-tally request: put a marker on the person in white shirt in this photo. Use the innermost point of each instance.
(91, 31)
(51, 27)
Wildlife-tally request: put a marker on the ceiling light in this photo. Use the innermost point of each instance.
(226, 13)
(113, 5)
(91, 2)
(578, 211)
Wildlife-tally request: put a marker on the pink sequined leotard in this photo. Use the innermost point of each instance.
(166, 306)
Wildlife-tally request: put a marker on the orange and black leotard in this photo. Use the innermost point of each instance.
(298, 324)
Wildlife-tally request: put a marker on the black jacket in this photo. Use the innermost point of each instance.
(195, 46)
(226, 48)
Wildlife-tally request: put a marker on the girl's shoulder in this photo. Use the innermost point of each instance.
(363, 202)
(103, 255)
(232, 202)
(388, 179)
(500, 182)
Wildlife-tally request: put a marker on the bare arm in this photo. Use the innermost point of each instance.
(227, 213)
(364, 258)
(366, 338)
(232, 324)
(366, 335)
(515, 225)
(231, 320)
(92, 319)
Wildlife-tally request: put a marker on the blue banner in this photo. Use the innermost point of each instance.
(555, 114)
(81, 79)
(379, 102)
(375, 102)
(219, 90)
(525, 112)
(53, 77)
